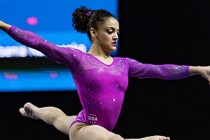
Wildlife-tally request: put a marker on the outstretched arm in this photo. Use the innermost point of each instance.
(166, 71)
(67, 56)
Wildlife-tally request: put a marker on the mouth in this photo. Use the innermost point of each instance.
(114, 44)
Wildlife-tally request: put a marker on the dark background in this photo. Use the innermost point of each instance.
(152, 32)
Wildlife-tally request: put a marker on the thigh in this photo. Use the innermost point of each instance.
(82, 131)
(63, 123)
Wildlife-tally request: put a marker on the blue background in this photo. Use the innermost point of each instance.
(55, 25)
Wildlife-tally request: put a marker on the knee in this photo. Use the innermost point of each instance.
(101, 137)
(113, 137)
(116, 137)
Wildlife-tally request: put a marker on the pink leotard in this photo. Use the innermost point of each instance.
(101, 87)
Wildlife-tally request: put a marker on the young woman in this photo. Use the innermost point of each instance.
(101, 79)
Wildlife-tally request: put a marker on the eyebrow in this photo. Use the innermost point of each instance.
(113, 28)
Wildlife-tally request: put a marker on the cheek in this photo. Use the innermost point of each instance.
(106, 39)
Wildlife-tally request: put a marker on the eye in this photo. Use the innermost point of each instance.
(110, 31)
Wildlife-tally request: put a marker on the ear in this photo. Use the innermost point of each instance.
(92, 32)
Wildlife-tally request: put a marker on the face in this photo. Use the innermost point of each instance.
(107, 35)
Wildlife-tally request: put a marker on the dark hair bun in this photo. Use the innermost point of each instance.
(80, 18)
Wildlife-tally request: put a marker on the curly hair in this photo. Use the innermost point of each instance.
(84, 18)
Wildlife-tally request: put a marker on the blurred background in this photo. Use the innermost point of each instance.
(152, 31)
(20, 65)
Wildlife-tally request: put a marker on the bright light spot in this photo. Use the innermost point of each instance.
(9, 75)
(53, 74)
(32, 21)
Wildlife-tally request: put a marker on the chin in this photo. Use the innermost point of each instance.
(113, 49)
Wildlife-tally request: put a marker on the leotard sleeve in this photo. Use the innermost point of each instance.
(163, 71)
(68, 56)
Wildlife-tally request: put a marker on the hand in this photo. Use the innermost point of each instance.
(1, 24)
(205, 72)
(4, 26)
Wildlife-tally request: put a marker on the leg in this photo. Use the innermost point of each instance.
(78, 131)
(81, 131)
(50, 115)
(156, 137)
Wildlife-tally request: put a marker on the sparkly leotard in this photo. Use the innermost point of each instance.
(100, 87)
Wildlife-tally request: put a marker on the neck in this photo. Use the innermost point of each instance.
(98, 52)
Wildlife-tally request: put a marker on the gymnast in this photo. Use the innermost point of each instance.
(101, 79)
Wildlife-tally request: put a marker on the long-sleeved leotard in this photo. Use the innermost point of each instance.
(100, 87)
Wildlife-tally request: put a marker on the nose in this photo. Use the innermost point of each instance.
(116, 36)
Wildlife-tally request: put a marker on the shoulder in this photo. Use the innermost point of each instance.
(126, 59)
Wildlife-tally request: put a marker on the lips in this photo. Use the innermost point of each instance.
(114, 44)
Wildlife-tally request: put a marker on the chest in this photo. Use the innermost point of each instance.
(97, 74)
